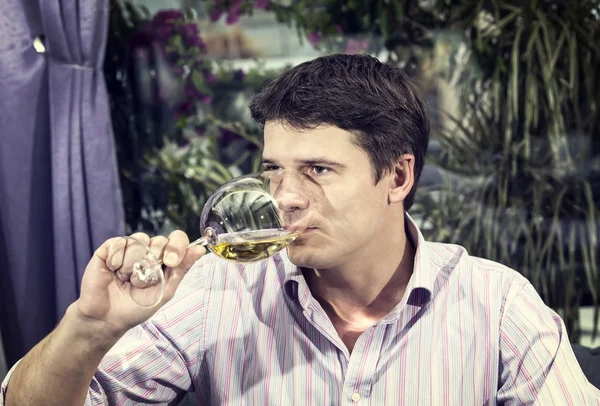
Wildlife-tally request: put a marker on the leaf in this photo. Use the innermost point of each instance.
(190, 13)
(199, 82)
(496, 28)
(177, 42)
(514, 74)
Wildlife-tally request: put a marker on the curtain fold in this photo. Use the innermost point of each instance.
(59, 184)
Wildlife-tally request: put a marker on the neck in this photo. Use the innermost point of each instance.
(366, 289)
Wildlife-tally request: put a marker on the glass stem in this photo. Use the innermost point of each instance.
(200, 241)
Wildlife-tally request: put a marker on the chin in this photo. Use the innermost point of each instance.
(299, 255)
(302, 255)
(305, 256)
(312, 249)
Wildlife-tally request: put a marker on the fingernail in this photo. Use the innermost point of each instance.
(172, 258)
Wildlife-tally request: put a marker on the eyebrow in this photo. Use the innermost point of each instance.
(308, 162)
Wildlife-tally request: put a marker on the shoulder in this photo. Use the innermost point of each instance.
(483, 279)
(456, 256)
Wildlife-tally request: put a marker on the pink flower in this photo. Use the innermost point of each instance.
(233, 16)
(186, 108)
(235, 9)
(354, 46)
(141, 55)
(190, 90)
(190, 30)
(261, 4)
(164, 31)
(209, 77)
(315, 38)
(215, 14)
(239, 75)
(200, 129)
(165, 16)
(196, 41)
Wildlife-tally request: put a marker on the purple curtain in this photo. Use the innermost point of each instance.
(59, 189)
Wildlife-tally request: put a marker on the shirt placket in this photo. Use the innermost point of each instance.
(359, 366)
(362, 366)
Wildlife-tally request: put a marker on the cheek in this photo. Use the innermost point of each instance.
(354, 211)
(349, 220)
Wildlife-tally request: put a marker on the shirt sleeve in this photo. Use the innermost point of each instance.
(157, 361)
(537, 363)
(5, 384)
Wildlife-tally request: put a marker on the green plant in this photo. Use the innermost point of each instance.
(525, 144)
(520, 154)
(188, 174)
(177, 137)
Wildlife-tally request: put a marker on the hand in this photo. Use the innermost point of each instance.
(102, 304)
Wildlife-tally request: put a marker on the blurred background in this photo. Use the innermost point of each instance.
(119, 116)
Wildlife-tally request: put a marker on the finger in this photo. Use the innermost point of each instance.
(101, 255)
(149, 274)
(116, 254)
(111, 252)
(157, 245)
(141, 237)
(191, 256)
(174, 276)
(135, 250)
(176, 248)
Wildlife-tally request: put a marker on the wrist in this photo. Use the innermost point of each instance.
(99, 335)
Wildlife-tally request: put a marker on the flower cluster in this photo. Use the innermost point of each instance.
(233, 9)
(185, 50)
(341, 43)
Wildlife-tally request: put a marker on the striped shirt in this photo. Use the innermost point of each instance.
(467, 332)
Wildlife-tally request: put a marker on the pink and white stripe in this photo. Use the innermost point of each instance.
(468, 332)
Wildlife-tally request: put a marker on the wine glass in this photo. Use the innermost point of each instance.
(247, 219)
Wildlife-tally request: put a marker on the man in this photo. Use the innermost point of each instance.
(360, 310)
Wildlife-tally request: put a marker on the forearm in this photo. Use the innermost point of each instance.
(62, 365)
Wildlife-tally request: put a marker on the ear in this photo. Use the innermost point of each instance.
(402, 179)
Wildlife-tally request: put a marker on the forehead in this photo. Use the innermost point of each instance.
(285, 143)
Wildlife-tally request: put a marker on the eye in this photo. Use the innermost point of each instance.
(319, 170)
(268, 168)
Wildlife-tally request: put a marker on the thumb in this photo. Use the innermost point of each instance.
(174, 276)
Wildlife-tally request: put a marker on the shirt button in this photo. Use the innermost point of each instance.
(356, 396)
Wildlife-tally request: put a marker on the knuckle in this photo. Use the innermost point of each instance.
(141, 236)
(159, 241)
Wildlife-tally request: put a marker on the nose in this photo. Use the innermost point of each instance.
(290, 192)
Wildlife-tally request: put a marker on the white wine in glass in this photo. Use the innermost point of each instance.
(248, 219)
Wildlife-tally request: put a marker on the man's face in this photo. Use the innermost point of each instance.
(346, 211)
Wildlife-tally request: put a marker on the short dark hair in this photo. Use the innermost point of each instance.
(374, 101)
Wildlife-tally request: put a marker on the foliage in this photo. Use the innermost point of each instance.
(520, 155)
(189, 174)
(524, 147)
(168, 101)
(233, 9)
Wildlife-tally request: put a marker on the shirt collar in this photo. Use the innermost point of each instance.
(424, 270)
(419, 290)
